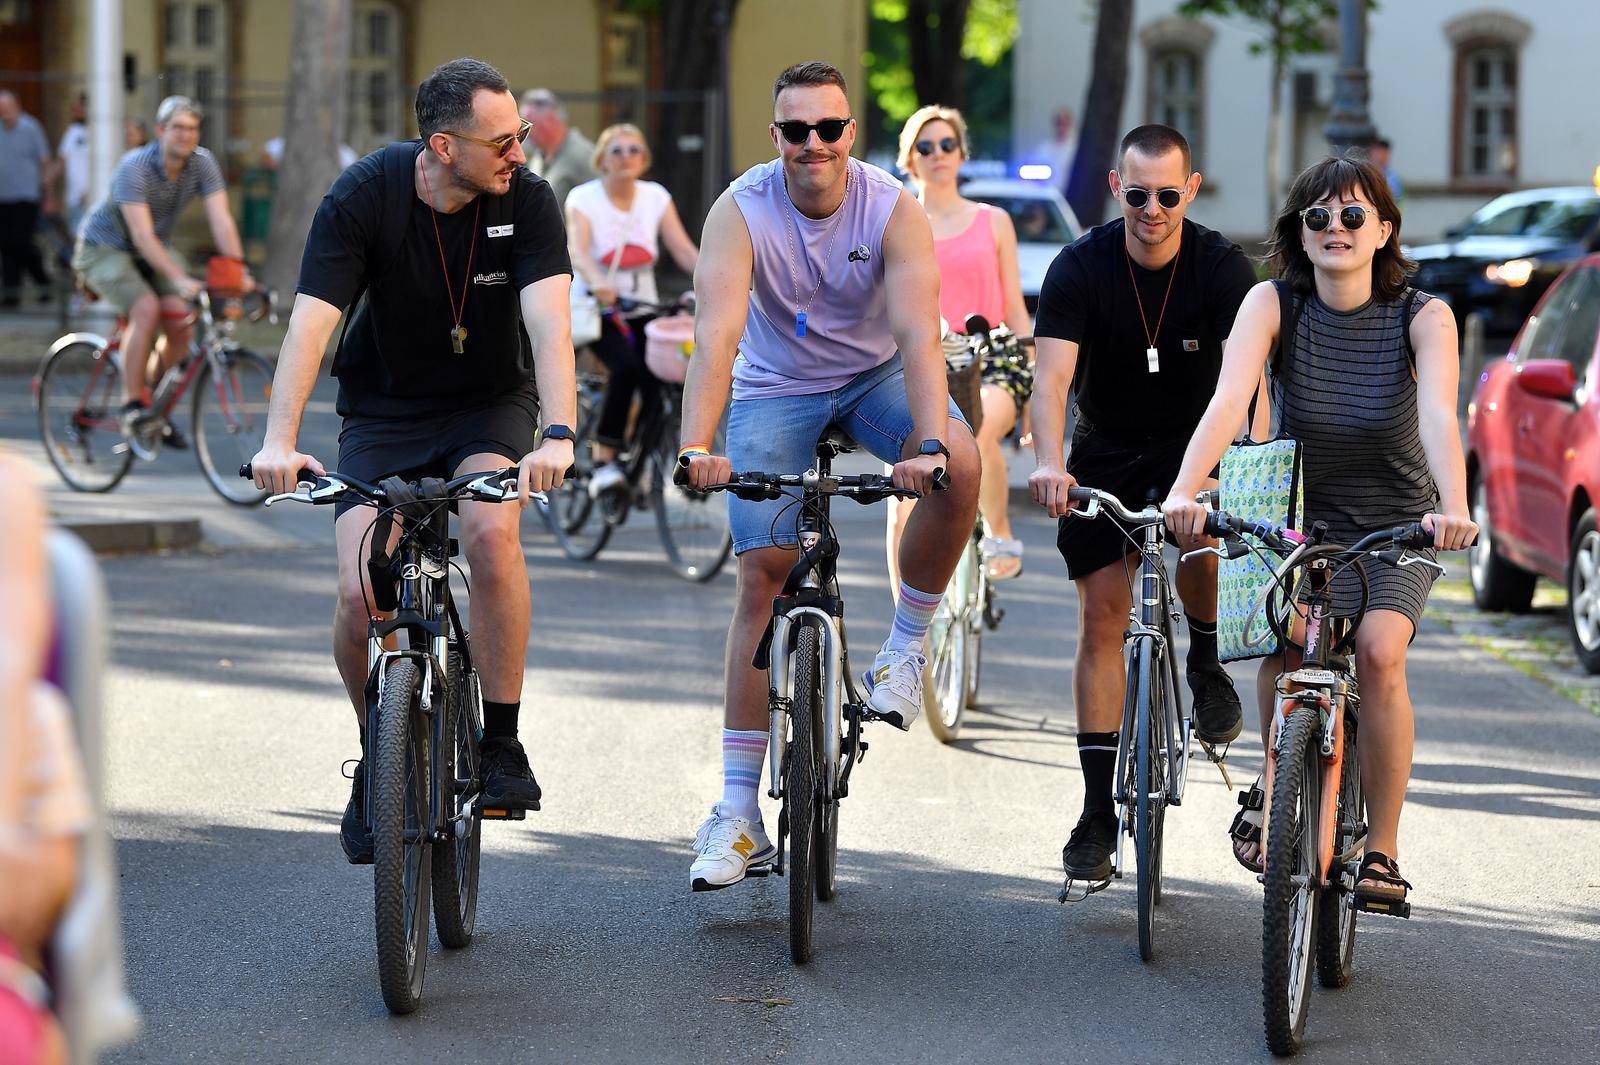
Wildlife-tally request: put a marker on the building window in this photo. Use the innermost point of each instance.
(1486, 80)
(377, 106)
(1176, 95)
(194, 62)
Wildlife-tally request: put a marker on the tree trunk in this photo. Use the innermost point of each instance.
(936, 29)
(1100, 129)
(1275, 126)
(313, 129)
(691, 65)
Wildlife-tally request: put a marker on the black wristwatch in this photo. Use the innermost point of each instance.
(934, 447)
(557, 432)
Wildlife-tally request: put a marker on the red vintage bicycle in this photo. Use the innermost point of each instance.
(78, 394)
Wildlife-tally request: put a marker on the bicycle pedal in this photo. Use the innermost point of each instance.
(1382, 907)
(1069, 892)
(494, 813)
(764, 869)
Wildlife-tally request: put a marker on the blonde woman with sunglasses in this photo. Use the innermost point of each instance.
(616, 225)
(975, 245)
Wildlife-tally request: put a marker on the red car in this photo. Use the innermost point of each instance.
(1533, 461)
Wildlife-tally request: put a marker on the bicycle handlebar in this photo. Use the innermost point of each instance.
(863, 487)
(1099, 500)
(497, 486)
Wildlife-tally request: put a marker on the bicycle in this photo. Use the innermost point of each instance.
(1152, 766)
(815, 709)
(1313, 825)
(78, 397)
(694, 533)
(423, 720)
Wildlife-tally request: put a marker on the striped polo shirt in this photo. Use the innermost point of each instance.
(141, 178)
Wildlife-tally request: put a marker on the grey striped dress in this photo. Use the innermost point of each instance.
(1346, 388)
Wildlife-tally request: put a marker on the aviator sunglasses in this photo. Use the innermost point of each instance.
(501, 145)
(947, 145)
(829, 129)
(1317, 219)
(1136, 197)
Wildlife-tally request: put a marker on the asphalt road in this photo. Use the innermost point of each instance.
(249, 939)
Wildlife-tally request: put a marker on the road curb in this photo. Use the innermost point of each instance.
(121, 536)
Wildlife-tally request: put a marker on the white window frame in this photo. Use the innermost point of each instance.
(1496, 104)
(182, 60)
(374, 118)
(1184, 109)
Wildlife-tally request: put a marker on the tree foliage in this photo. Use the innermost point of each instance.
(1286, 27)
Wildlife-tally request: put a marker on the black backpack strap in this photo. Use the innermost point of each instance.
(399, 186)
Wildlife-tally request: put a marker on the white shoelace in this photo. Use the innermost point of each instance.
(717, 832)
(905, 676)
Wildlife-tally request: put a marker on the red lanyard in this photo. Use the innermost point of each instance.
(458, 335)
(1150, 338)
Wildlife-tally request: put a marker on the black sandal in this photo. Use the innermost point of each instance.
(1243, 830)
(1378, 868)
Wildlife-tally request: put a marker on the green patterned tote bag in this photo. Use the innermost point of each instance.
(1258, 482)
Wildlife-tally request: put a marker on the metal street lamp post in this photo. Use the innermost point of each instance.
(1349, 122)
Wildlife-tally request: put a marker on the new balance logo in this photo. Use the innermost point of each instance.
(744, 845)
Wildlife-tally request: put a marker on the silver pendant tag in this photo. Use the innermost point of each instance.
(1152, 359)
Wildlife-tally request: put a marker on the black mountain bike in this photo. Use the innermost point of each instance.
(1153, 748)
(693, 528)
(1314, 826)
(424, 718)
(816, 711)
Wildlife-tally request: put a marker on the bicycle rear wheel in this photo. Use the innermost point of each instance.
(79, 406)
(801, 792)
(1150, 791)
(950, 637)
(693, 525)
(1336, 921)
(1289, 910)
(455, 864)
(577, 519)
(230, 421)
(399, 756)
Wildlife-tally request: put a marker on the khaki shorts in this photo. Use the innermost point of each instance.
(119, 277)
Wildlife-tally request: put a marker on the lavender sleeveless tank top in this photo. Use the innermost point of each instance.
(847, 324)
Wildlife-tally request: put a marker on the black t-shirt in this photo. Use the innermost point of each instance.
(1088, 298)
(397, 358)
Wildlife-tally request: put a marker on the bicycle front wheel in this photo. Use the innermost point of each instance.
(801, 788)
(231, 395)
(79, 406)
(576, 518)
(399, 767)
(455, 864)
(693, 525)
(950, 651)
(1150, 807)
(1336, 921)
(1289, 912)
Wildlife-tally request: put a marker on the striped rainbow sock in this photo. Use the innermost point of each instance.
(913, 613)
(742, 755)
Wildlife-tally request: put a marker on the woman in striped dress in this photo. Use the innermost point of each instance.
(1367, 384)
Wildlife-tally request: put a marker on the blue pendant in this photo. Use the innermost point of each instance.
(800, 324)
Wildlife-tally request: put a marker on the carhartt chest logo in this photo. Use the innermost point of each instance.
(1191, 345)
(499, 277)
(861, 254)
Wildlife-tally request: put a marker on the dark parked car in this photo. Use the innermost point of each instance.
(1501, 260)
(1533, 462)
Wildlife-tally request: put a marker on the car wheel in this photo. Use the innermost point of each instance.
(1583, 592)
(1496, 583)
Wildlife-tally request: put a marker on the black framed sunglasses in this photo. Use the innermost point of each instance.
(1136, 197)
(829, 129)
(501, 145)
(1352, 216)
(947, 145)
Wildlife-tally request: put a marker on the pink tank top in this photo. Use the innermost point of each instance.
(969, 273)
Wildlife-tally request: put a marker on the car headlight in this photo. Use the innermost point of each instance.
(1513, 273)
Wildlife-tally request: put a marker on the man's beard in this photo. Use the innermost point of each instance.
(1143, 237)
(476, 188)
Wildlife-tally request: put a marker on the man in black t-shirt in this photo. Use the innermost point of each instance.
(458, 249)
(1132, 318)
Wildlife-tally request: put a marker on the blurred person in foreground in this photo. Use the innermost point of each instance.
(44, 805)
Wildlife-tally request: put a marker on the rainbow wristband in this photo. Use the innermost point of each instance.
(693, 449)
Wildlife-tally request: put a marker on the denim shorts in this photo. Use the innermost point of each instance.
(779, 435)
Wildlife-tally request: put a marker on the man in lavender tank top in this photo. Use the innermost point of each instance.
(819, 302)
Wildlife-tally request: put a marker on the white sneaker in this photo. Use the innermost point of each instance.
(605, 479)
(727, 847)
(896, 683)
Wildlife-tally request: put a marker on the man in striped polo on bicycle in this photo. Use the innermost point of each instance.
(819, 302)
(123, 255)
(1132, 320)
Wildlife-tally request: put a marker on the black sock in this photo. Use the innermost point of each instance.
(500, 719)
(1097, 753)
(1202, 643)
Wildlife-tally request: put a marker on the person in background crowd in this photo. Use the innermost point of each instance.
(1062, 146)
(26, 170)
(74, 155)
(44, 803)
(1378, 152)
(272, 155)
(615, 225)
(556, 152)
(135, 133)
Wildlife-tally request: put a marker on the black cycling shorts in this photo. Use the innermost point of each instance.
(435, 445)
(1139, 474)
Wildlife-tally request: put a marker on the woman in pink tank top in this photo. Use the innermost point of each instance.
(976, 247)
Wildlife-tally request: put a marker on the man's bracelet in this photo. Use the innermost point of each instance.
(693, 449)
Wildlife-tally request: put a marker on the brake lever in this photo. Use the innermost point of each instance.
(1197, 552)
(309, 492)
(1408, 559)
(1090, 509)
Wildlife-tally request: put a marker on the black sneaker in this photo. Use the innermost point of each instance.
(173, 438)
(1087, 855)
(135, 424)
(508, 782)
(355, 836)
(1218, 717)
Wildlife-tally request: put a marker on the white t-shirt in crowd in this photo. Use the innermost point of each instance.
(274, 150)
(636, 232)
(74, 152)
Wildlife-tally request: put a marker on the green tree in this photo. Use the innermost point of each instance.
(1285, 28)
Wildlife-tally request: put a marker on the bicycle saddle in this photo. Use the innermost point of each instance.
(835, 442)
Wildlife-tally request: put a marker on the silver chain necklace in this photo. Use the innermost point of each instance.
(833, 233)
